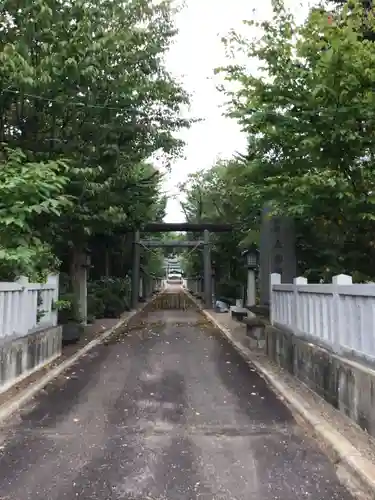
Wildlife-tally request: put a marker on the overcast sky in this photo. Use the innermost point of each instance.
(193, 57)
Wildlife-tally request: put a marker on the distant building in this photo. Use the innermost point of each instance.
(172, 265)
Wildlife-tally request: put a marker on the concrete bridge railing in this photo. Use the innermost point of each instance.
(340, 315)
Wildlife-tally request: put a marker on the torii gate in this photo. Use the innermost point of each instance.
(165, 227)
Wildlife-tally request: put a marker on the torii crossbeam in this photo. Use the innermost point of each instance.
(166, 227)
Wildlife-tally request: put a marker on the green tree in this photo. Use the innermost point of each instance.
(86, 82)
(309, 115)
(221, 194)
(27, 189)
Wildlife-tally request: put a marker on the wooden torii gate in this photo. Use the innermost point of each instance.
(165, 227)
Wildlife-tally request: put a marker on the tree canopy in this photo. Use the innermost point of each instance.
(218, 195)
(308, 112)
(86, 98)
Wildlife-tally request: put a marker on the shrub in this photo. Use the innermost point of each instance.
(228, 292)
(108, 297)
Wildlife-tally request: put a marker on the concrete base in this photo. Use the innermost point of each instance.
(260, 310)
(347, 385)
(255, 327)
(22, 356)
(238, 313)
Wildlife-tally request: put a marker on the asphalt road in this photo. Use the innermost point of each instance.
(168, 412)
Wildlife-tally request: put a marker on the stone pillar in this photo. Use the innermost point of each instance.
(277, 252)
(207, 270)
(136, 270)
(149, 286)
(78, 274)
(82, 279)
(264, 257)
(251, 288)
(213, 290)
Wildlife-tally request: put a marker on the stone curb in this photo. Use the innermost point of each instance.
(10, 407)
(361, 480)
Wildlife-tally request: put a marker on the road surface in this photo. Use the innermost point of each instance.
(169, 412)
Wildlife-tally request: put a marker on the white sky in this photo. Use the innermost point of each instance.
(193, 57)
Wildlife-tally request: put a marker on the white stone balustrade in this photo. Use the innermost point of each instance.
(26, 307)
(340, 315)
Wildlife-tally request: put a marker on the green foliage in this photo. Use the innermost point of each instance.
(86, 82)
(154, 262)
(308, 112)
(108, 297)
(67, 304)
(28, 189)
(221, 194)
(228, 292)
(68, 311)
(60, 305)
(153, 258)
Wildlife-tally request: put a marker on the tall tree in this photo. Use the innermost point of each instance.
(222, 194)
(86, 81)
(27, 189)
(309, 114)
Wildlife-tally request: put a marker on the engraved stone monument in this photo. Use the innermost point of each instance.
(277, 252)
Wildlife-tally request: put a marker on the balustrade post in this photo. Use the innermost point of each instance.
(28, 315)
(54, 281)
(275, 279)
(295, 313)
(338, 316)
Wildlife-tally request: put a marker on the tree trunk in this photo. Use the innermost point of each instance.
(78, 277)
(107, 263)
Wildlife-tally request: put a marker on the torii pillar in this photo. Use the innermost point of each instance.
(207, 270)
(136, 270)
